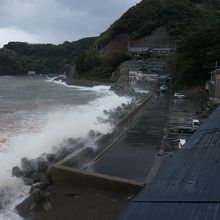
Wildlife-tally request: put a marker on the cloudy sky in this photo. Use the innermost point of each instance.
(55, 21)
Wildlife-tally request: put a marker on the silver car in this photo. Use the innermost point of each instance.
(178, 95)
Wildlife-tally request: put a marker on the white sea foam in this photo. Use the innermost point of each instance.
(82, 88)
(140, 90)
(60, 124)
(59, 82)
(9, 215)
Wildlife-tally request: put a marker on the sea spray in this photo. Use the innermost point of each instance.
(9, 215)
(64, 122)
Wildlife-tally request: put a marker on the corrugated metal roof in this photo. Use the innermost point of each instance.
(187, 185)
(171, 211)
(213, 122)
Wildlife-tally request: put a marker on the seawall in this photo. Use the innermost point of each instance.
(69, 171)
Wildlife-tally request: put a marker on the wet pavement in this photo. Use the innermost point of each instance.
(136, 152)
(133, 156)
(181, 111)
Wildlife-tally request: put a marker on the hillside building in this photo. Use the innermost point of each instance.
(158, 67)
(139, 50)
(161, 50)
(140, 76)
(159, 42)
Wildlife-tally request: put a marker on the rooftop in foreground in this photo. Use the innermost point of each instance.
(187, 185)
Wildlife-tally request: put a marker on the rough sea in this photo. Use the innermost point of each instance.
(38, 114)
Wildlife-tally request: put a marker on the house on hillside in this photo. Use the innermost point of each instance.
(138, 50)
(157, 66)
(140, 46)
(161, 50)
(136, 65)
(159, 42)
(140, 76)
(150, 66)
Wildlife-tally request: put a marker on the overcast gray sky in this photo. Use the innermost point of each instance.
(55, 21)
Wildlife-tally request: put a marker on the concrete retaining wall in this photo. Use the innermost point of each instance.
(61, 173)
(73, 176)
(125, 119)
(132, 113)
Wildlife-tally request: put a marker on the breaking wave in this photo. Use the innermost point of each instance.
(65, 122)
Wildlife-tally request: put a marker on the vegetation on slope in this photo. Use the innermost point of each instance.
(142, 19)
(195, 30)
(20, 57)
(198, 55)
(193, 26)
(178, 16)
(92, 66)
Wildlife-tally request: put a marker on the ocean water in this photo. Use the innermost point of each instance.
(38, 114)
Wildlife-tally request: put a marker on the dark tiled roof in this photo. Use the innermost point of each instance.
(187, 185)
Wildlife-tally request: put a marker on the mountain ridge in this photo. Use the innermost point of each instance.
(140, 20)
(185, 22)
(190, 29)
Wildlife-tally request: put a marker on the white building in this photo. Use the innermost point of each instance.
(162, 51)
(138, 49)
(139, 76)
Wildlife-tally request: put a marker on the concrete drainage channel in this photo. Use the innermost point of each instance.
(72, 169)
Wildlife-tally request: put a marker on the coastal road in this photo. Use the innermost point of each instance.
(133, 155)
(181, 111)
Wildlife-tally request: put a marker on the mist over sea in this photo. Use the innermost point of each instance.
(36, 115)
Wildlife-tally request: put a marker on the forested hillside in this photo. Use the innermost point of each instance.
(20, 57)
(193, 25)
(140, 20)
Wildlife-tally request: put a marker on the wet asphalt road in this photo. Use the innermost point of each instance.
(181, 111)
(133, 155)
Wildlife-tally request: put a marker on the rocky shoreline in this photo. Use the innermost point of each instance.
(124, 89)
(36, 172)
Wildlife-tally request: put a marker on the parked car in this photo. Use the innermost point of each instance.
(189, 128)
(178, 95)
(163, 88)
